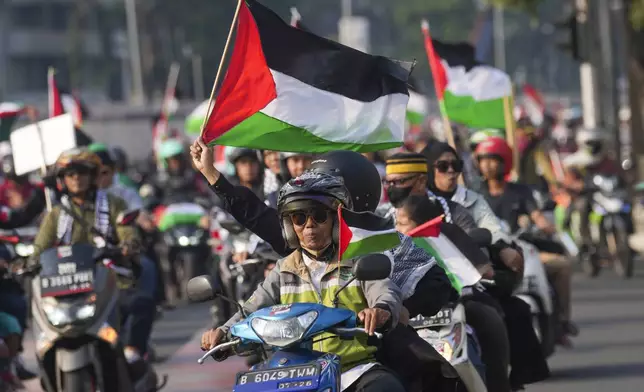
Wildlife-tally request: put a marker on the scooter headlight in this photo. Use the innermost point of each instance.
(61, 313)
(282, 333)
(24, 250)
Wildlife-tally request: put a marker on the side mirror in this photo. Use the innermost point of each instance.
(481, 237)
(232, 226)
(126, 218)
(375, 266)
(201, 289)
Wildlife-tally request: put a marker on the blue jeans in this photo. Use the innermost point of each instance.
(138, 307)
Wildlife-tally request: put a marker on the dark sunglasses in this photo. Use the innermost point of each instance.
(398, 181)
(319, 215)
(80, 171)
(443, 166)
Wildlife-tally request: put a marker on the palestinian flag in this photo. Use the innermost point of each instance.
(9, 113)
(362, 233)
(290, 90)
(56, 107)
(468, 92)
(416, 108)
(179, 214)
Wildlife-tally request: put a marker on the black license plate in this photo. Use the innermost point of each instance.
(68, 284)
(291, 375)
(443, 317)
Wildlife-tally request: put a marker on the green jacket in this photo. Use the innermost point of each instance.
(290, 282)
(47, 233)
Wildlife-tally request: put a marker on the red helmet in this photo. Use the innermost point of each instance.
(497, 147)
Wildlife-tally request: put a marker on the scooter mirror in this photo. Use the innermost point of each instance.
(127, 218)
(232, 226)
(375, 266)
(201, 289)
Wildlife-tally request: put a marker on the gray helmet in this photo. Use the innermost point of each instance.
(310, 187)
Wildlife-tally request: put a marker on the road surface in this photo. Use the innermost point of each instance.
(608, 355)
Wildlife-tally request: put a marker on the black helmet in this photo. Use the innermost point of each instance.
(8, 168)
(360, 177)
(238, 153)
(120, 158)
(309, 188)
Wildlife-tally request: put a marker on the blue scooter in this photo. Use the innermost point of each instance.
(289, 330)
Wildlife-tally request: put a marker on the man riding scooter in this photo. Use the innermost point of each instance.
(511, 201)
(77, 174)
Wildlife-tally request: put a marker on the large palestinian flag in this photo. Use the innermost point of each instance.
(362, 233)
(468, 92)
(289, 90)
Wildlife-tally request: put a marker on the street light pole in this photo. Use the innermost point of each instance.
(499, 38)
(347, 8)
(138, 96)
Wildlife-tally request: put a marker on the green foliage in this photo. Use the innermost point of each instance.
(637, 14)
(529, 6)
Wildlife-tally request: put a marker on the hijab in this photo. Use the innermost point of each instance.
(433, 154)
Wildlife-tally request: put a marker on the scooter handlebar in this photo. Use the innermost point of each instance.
(220, 347)
(342, 330)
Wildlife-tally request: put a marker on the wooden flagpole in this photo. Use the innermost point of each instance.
(424, 26)
(510, 134)
(449, 133)
(221, 66)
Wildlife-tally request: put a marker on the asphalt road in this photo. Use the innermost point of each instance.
(608, 354)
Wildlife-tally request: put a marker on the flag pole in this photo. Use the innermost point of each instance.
(510, 134)
(168, 95)
(34, 120)
(221, 66)
(424, 26)
(447, 126)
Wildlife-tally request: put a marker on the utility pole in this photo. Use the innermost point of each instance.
(586, 69)
(499, 38)
(5, 29)
(138, 95)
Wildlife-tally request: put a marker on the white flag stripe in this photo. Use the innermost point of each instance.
(360, 234)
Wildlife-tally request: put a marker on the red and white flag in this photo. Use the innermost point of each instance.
(56, 107)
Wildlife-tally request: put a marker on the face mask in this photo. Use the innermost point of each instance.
(397, 195)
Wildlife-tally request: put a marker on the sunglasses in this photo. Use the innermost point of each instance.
(76, 172)
(443, 166)
(398, 181)
(319, 215)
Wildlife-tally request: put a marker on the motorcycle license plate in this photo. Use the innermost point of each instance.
(283, 378)
(67, 284)
(443, 317)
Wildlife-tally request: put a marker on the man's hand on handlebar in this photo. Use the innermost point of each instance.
(373, 318)
(212, 338)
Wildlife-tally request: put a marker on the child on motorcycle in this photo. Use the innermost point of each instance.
(307, 207)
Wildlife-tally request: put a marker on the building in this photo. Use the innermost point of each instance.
(65, 34)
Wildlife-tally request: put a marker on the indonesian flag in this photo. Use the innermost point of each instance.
(290, 90)
(56, 107)
(362, 233)
(72, 105)
(468, 92)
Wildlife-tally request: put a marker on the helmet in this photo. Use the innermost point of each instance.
(590, 139)
(120, 158)
(310, 187)
(497, 147)
(102, 152)
(482, 135)
(77, 158)
(171, 148)
(238, 153)
(8, 168)
(286, 155)
(360, 177)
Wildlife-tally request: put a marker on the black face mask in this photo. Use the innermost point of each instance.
(397, 195)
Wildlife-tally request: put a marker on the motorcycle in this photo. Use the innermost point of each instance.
(293, 365)
(448, 331)
(610, 227)
(187, 241)
(76, 322)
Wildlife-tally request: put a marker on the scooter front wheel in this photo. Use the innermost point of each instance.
(81, 380)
